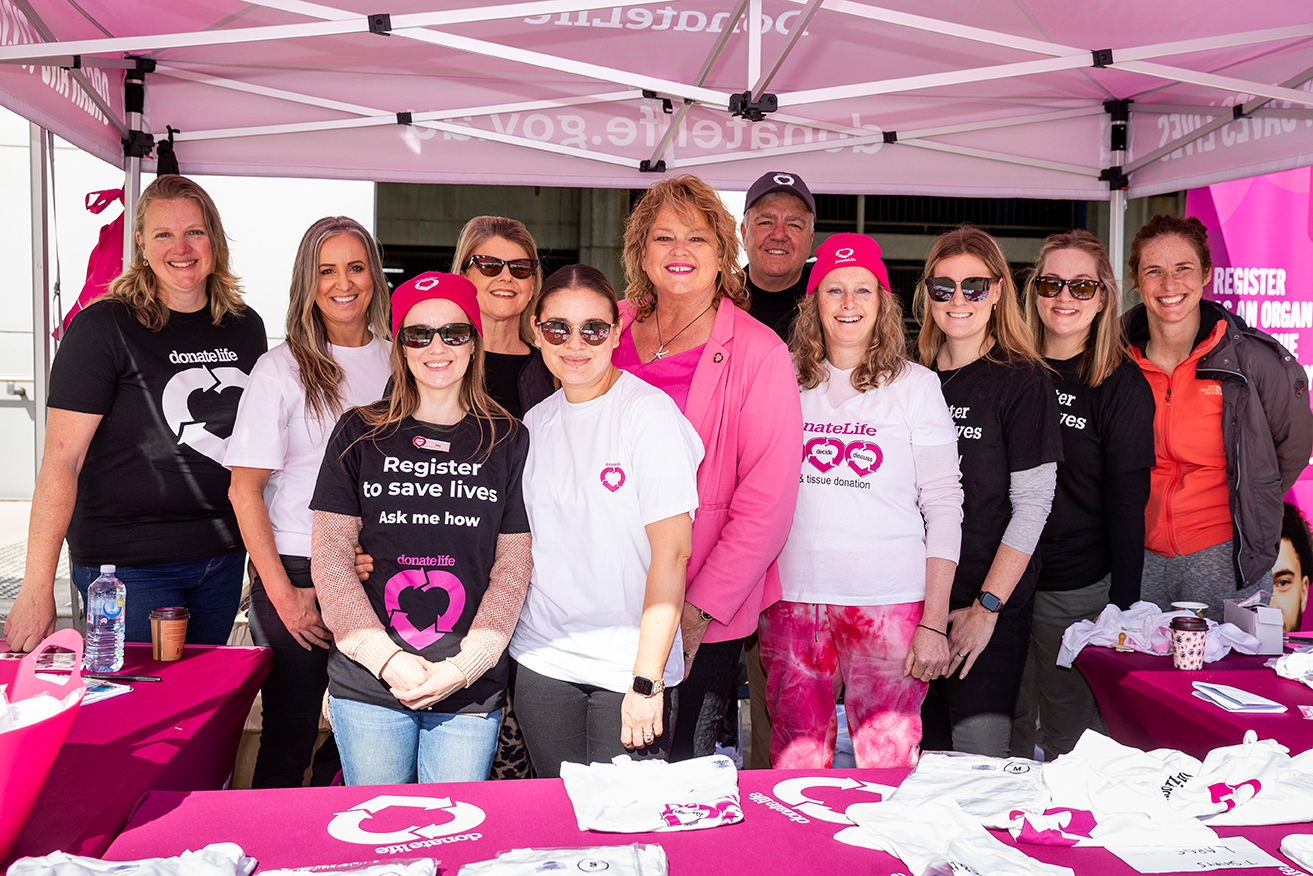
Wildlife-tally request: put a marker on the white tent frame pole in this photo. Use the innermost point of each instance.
(131, 183)
(1204, 130)
(763, 82)
(1211, 111)
(754, 40)
(78, 76)
(1210, 80)
(1117, 235)
(39, 163)
(137, 45)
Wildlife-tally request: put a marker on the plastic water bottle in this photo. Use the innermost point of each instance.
(103, 651)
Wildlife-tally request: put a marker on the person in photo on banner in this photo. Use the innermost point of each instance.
(1232, 426)
(1006, 414)
(869, 562)
(1290, 574)
(611, 488)
(428, 483)
(143, 394)
(685, 329)
(499, 256)
(336, 356)
(1092, 550)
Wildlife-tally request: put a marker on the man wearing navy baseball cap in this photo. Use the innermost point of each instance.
(778, 225)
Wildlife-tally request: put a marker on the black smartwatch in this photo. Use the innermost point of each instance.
(989, 602)
(647, 687)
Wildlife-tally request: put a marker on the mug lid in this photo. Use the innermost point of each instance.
(1189, 623)
(171, 613)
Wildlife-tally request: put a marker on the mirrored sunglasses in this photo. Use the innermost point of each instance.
(453, 334)
(1081, 290)
(557, 331)
(490, 266)
(973, 288)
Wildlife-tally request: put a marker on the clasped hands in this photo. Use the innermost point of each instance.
(418, 683)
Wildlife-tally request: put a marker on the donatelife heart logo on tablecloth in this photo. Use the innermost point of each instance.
(613, 477)
(823, 453)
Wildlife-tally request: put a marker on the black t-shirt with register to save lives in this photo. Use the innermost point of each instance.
(432, 501)
(1007, 421)
(153, 488)
(1097, 522)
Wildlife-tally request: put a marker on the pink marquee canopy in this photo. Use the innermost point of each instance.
(1016, 98)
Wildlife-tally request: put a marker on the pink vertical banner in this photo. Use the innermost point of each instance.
(1260, 231)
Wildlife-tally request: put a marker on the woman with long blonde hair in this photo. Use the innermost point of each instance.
(1092, 549)
(336, 356)
(685, 329)
(143, 393)
(869, 561)
(1002, 401)
(428, 482)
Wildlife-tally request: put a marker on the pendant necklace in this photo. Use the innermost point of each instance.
(661, 351)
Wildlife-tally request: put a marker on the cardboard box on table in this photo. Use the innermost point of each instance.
(1263, 622)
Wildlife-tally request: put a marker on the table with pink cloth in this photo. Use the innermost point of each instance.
(178, 734)
(790, 819)
(1147, 703)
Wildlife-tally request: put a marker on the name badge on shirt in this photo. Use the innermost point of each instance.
(432, 444)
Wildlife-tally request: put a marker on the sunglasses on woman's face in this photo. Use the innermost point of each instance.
(490, 266)
(1081, 290)
(973, 288)
(557, 331)
(453, 334)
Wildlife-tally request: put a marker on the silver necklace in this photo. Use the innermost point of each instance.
(661, 351)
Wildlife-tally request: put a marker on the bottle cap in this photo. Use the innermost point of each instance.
(107, 569)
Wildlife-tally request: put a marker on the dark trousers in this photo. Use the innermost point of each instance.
(580, 723)
(293, 694)
(974, 714)
(703, 697)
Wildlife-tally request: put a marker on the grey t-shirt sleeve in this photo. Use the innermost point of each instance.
(1031, 492)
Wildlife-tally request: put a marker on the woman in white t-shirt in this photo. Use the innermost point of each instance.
(869, 561)
(335, 357)
(610, 486)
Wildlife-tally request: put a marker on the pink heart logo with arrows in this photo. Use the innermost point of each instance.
(613, 477)
(415, 579)
(823, 453)
(864, 457)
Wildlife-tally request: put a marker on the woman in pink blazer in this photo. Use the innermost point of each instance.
(685, 329)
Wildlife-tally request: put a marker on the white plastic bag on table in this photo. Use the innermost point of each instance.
(633, 860)
(216, 859)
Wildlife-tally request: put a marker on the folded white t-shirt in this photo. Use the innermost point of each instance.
(642, 796)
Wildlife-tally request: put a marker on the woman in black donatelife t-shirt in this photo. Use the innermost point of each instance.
(1002, 401)
(143, 395)
(1092, 549)
(428, 480)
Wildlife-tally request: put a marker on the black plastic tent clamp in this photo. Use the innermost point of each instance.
(380, 23)
(743, 106)
(646, 166)
(666, 106)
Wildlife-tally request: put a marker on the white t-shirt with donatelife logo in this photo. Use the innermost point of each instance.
(858, 537)
(598, 472)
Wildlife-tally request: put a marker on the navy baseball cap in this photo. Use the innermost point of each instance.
(779, 181)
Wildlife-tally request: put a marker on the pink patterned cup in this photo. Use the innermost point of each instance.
(1188, 636)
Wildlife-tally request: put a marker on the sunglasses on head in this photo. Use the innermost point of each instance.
(490, 266)
(453, 334)
(973, 288)
(557, 331)
(1081, 290)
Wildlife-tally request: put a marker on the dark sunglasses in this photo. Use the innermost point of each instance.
(973, 288)
(453, 334)
(1081, 290)
(557, 331)
(490, 266)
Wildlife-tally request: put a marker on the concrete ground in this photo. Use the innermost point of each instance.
(13, 554)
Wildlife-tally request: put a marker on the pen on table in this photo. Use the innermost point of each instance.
(103, 676)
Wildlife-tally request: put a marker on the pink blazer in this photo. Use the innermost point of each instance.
(745, 406)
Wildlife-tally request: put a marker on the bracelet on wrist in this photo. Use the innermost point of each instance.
(933, 630)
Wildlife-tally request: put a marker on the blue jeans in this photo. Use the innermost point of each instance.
(211, 589)
(382, 746)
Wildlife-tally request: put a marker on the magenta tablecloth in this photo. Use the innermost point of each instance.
(788, 827)
(178, 734)
(1149, 704)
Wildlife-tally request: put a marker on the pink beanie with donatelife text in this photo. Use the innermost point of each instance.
(846, 251)
(432, 284)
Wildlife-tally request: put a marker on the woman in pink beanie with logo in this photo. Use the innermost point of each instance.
(869, 561)
(428, 482)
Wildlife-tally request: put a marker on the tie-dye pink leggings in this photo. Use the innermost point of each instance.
(808, 649)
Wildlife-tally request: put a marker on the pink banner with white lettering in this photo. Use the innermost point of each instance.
(1260, 231)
